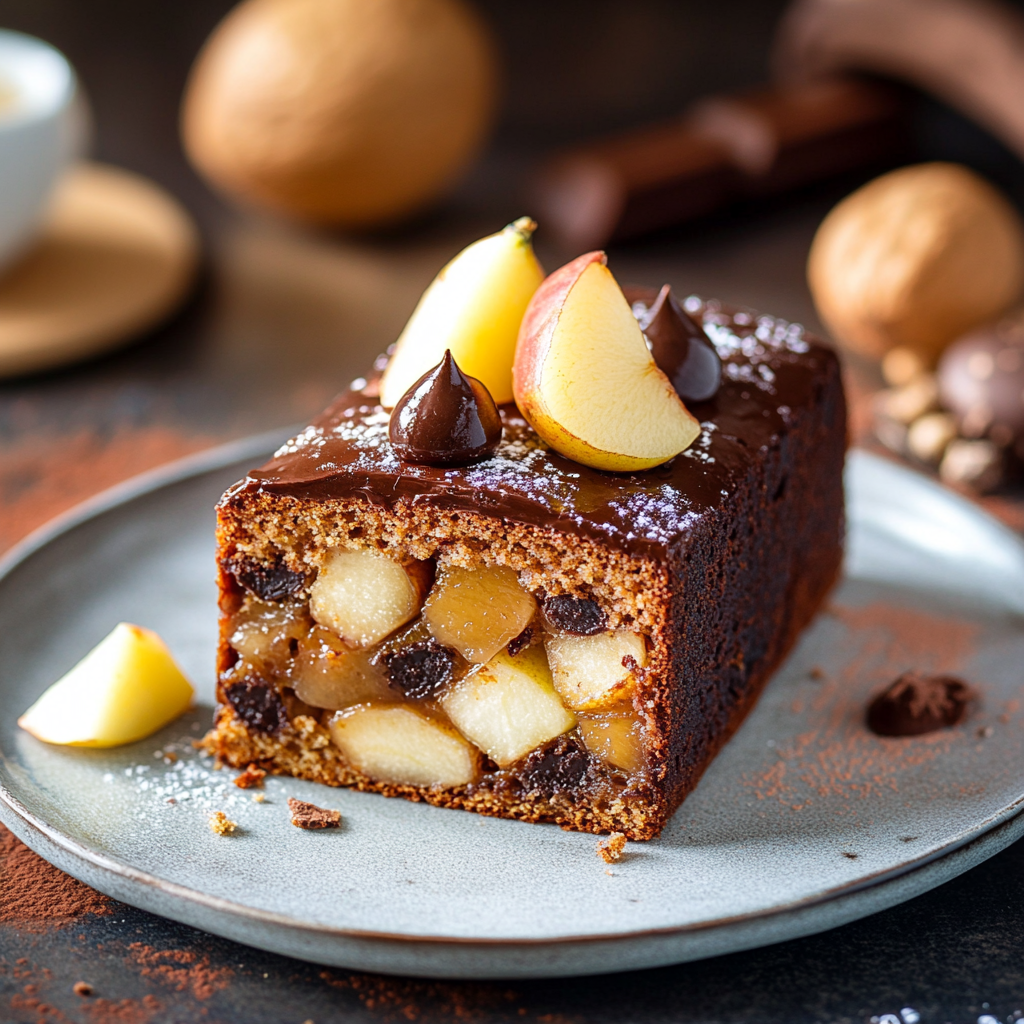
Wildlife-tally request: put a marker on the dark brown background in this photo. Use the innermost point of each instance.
(281, 320)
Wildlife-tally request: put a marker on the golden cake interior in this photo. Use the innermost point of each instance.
(445, 656)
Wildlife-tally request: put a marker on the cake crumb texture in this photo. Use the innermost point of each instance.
(611, 849)
(252, 777)
(307, 815)
(221, 824)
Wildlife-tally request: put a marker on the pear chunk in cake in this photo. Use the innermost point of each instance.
(509, 707)
(399, 745)
(329, 674)
(363, 596)
(617, 739)
(478, 611)
(595, 671)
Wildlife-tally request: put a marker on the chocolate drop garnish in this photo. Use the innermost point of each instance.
(682, 350)
(915, 704)
(445, 419)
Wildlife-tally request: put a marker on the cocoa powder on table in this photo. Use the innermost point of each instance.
(35, 896)
(180, 969)
(45, 474)
(122, 1011)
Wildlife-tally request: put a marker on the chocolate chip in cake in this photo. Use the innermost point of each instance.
(306, 815)
(916, 703)
(578, 615)
(421, 669)
(518, 643)
(258, 704)
(559, 767)
(273, 582)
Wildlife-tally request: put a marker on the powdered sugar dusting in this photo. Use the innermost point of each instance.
(190, 780)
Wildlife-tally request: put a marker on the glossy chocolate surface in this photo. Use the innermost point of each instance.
(680, 347)
(771, 372)
(445, 419)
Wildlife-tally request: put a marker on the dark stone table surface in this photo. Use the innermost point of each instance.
(281, 320)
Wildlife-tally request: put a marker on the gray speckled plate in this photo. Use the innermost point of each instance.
(804, 821)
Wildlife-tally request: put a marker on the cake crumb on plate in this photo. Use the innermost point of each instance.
(306, 815)
(252, 777)
(611, 849)
(220, 824)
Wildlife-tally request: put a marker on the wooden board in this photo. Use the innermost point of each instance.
(116, 256)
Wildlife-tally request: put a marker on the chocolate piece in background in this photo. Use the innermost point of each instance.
(967, 420)
(917, 703)
(981, 381)
(969, 53)
(722, 150)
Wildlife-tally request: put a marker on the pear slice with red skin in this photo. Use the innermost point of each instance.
(585, 380)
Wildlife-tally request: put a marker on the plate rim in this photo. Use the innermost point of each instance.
(218, 903)
(220, 457)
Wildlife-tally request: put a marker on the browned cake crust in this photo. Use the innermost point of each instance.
(720, 603)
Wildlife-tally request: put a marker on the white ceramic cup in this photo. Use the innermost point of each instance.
(42, 128)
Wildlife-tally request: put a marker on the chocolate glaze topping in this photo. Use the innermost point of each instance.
(917, 704)
(771, 373)
(445, 419)
(681, 349)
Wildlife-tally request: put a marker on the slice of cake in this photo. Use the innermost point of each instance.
(437, 602)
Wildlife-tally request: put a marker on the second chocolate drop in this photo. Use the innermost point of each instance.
(445, 419)
(681, 349)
